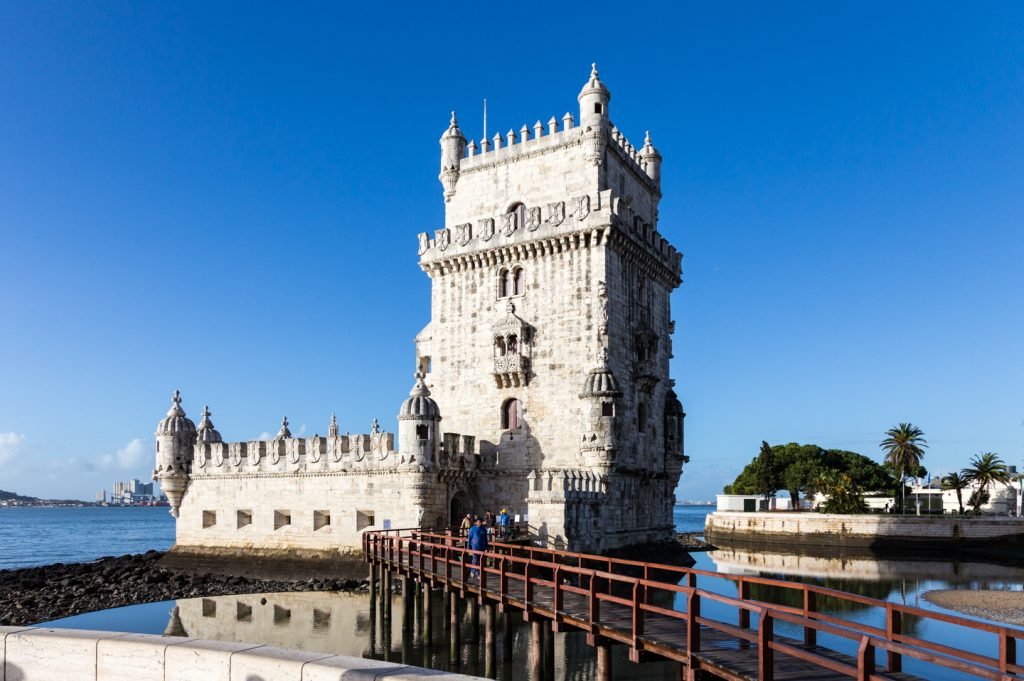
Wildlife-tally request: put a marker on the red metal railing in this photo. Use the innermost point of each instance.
(597, 581)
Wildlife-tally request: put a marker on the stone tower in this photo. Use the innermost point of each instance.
(550, 331)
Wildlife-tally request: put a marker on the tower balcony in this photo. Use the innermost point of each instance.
(646, 372)
(511, 371)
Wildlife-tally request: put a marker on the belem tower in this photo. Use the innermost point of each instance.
(541, 382)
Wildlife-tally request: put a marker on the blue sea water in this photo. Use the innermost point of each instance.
(31, 536)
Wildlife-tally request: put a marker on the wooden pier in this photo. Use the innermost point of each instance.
(655, 611)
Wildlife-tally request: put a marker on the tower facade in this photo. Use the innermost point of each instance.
(550, 331)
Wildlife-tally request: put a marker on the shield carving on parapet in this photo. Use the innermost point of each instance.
(442, 238)
(508, 223)
(463, 233)
(556, 212)
(581, 207)
(533, 218)
(486, 229)
(424, 239)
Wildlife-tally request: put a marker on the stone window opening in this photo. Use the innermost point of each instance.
(422, 432)
(517, 281)
(511, 414)
(500, 349)
(209, 607)
(209, 519)
(424, 364)
(641, 417)
(607, 409)
(597, 108)
(321, 519)
(282, 519)
(243, 518)
(512, 345)
(364, 519)
(519, 208)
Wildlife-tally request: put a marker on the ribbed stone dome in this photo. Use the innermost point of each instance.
(594, 85)
(419, 405)
(175, 421)
(601, 383)
(207, 433)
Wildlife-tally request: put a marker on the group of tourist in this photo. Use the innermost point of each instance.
(481, 531)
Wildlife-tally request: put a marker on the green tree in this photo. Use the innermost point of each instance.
(986, 470)
(958, 483)
(904, 448)
(769, 474)
(844, 496)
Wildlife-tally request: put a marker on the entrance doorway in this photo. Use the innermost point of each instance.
(458, 508)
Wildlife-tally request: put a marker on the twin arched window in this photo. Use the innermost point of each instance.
(510, 282)
(511, 414)
(506, 345)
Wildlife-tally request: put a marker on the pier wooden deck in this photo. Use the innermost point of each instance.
(637, 604)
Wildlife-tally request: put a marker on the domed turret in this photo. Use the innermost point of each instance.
(600, 396)
(175, 436)
(453, 149)
(651, 159)
(593, 100)
(594, 118)
(206, 433)
(417, 425)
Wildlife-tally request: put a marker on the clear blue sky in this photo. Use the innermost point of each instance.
(225, 199)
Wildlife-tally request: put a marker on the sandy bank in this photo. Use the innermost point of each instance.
(999, 606)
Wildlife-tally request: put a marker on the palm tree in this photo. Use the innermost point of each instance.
(904, 448)
(959, 483)
(986, 469)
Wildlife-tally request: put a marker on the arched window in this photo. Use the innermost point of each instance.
(504, 283)
(499, 347)
(641, 417)
(511, 414)
(517, 281)
(512, 345)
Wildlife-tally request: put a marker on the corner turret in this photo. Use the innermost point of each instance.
(175, 437)
(453, 149)
(417, 425)
(206, 433)
(594, 117)
(651, 160)
(601, 396)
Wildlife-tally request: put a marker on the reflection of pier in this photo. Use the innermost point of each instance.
(655, 611)
(742, 561)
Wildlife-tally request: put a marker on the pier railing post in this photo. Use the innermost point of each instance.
(811, 606)
(639, 596)
(765, 654)
(595, 604)
(865, 659)
(1007, 650)
(893, 629)
(692, 626)
(557, 603)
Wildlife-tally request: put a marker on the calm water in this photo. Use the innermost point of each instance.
(345, 623)
(39, 536)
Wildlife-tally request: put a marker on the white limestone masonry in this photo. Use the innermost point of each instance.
(542, 380)
(30, 654)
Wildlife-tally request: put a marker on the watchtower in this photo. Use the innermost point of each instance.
(550, 331)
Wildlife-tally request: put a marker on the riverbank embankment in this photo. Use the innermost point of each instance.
(40, 594)
(797, 529)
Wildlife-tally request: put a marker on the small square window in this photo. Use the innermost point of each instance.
(209, 519)
(243, 518)
(209, 607)
(243, 612)
(364, 519)
(321, 519)
(281, 519)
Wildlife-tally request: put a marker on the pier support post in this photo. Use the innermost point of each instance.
(428, 625)
(536, 650)
(454, 619)
(408, 604)
(506, 636)
(373, 580)
(385, 594)
(549, 650)
(604, 662)
(474, 621)
(490, 625)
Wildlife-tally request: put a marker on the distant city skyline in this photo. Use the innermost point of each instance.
(227, 203)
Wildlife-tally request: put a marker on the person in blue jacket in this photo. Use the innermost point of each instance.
(477, 542)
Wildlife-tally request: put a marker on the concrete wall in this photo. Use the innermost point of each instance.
(818, 529)
(31, 654)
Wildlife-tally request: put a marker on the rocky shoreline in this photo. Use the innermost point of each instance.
(999, 605)
(39, 594)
